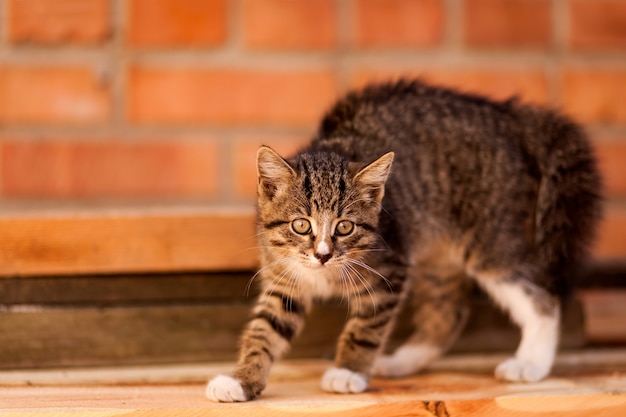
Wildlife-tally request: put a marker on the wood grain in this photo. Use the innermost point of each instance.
(118, 239)
(130, 328)
(294, 390)
(34, 337)
(126, 240)
(125, 289)
(605, 312)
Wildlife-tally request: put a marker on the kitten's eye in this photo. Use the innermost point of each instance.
(301, 226)
(344, 228)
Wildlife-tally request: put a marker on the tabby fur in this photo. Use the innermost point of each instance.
(413, 193)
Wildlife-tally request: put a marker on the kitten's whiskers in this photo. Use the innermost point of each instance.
(371, 270)
(350, 286)
(364, 283)
(265, 267)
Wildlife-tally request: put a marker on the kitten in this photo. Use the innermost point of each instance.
(501, 194)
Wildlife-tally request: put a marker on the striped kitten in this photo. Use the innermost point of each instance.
(500, 194)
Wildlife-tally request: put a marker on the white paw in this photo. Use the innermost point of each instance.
(518, 370)
(225, 389)
(344, 381)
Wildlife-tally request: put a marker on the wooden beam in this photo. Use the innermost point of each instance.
(605, 311)
(109, 241)
(146, 239)
(105, 328)
(129, 289)
(63, 337)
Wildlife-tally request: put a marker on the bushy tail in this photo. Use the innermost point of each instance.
(569, 202)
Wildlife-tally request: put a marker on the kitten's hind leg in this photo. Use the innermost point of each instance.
(537, 313)
(440, 314)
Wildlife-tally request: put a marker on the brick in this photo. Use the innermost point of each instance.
(597, 24)
(529, 84)
(290, 24)
(176, 23)
(595, 95)
(244, 160)
(164, 96)
(74, 168)
(399, 23)
(59, 21)
(610, 242)
(507, 23)
(53, 95)
(611, 154)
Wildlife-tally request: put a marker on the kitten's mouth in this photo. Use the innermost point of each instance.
(316, 263)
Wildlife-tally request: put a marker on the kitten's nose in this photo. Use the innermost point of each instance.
(323, 258)
(323, 252)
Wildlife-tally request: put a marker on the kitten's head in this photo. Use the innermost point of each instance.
(319, 210)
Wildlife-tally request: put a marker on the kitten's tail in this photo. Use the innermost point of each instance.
(569, 202)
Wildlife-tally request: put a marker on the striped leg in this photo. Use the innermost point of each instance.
(277, 319)
(364, 336)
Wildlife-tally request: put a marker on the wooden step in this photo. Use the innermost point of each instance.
(103, 285)
(461, 386)
(118, 239)
(140, 319)
(44, 239)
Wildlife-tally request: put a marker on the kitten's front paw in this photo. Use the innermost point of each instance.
(225, 389)
(344, 381)
(518, 370)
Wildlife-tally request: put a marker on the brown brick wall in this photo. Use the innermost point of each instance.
(169, 99)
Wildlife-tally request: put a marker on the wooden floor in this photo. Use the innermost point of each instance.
(583, 384)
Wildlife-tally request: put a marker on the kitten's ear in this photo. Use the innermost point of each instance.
(273, 172)
(372, 178)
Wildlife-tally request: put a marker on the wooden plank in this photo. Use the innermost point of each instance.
(567, 364)
(605, 312)
(152, 402)
(294, 389)
(44, 240)
(139, 289)
(36, 336)
(600, 274)
(126, 240)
